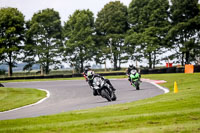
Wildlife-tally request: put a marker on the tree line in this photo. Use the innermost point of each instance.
(143, 30)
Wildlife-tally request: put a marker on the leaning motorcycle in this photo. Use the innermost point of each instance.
(103, 89)
(134, 79)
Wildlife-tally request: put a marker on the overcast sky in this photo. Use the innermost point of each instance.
(64, 7)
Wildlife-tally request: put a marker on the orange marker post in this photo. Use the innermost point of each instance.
(189, 68)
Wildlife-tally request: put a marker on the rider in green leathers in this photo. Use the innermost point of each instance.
(134, 76)
(135, 79)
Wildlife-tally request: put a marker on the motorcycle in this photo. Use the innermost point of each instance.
(135, 80)
(103, 89)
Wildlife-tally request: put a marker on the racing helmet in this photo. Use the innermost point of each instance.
(90, 75)
(131, 65)
(86, 69)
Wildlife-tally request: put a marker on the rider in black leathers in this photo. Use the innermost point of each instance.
(91, 75)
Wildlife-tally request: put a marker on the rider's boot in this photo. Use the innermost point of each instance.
(129, 79)
(108, 81)
(113, 89)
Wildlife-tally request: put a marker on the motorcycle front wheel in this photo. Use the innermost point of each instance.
(137, 85)
(105, 94)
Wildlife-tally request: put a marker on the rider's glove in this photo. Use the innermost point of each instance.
(92, 87)
(102, 77)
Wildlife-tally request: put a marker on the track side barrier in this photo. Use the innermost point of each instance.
(143, 71)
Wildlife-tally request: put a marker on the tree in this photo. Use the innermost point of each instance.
(44, 40)
(196, 51)
(185, 26)
(148, 20)
(101, 50)
(11, 36)
(111, 25)
(78, 32)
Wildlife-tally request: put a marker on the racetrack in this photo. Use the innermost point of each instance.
(67, 95)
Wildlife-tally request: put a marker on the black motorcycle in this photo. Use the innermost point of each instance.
(103, 89)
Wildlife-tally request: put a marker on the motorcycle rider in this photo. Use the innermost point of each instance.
(134, 75)
(91, 75)
(131, 67)
(128, 71)
(87, 68)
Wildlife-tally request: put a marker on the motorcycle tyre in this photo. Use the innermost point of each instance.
(106, 95)
(137, 85)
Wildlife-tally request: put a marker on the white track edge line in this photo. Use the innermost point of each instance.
(160, 87)
(40, 101)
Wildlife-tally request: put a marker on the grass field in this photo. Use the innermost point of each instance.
(11, 98)
(166, 113)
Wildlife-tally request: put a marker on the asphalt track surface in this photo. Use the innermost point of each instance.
(68, 95)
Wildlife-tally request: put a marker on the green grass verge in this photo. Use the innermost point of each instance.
(11, 98)
(166, 113)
